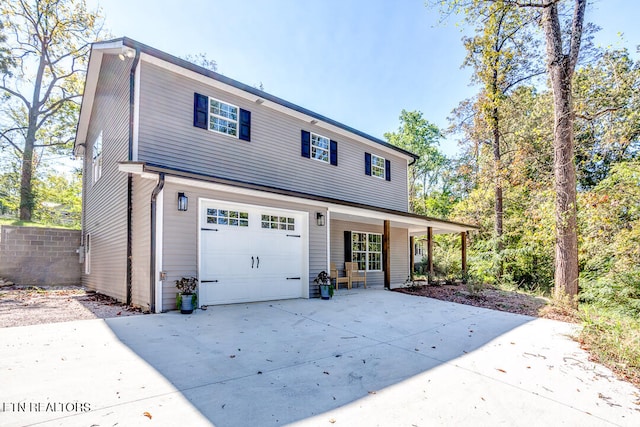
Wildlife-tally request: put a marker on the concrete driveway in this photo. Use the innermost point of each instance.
(365, 358)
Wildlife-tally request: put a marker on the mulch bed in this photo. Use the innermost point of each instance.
(488, 297)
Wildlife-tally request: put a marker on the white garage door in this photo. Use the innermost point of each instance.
(250, 253)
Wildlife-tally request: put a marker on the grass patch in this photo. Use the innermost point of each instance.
(613, 339)
(20, 223)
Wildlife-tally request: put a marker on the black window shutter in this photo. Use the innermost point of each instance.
(347, 247)
(387, 170)
(306, 144)
(333, 153)
(200, 110)
(245, 125)
(367, 163)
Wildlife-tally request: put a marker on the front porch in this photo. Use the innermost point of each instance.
(352, 236)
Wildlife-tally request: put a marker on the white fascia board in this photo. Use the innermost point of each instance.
(91, 84)
(243, 191)
(416, 226)
(270, 104)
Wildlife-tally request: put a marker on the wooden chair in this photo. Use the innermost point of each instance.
(334, 275)
(354, 274)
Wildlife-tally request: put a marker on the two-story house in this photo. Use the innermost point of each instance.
(190, 173)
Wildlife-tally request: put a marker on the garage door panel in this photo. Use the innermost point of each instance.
(255, 254)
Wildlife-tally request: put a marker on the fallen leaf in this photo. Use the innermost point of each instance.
(501, 370)
(325, 372)
(146, 414)
(372, 392)
(118, 313)
(232, 356)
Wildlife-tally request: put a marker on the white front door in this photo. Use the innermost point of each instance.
(250, 253)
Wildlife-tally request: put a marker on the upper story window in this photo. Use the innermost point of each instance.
(223, 117)
(96, 161)
(218, 116)
(319, 147)
(377, 166)
(314, 146)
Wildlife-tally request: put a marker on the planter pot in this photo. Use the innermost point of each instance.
(326, 291)
(186, 304)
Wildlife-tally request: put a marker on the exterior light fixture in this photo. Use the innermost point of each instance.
(183, 202)
(320, 219)
(126, 53)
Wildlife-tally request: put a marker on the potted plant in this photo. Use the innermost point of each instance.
(326, 287)
(186, 299)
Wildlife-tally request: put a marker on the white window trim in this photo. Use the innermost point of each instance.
(374, 166)
(367, 252)
(210, 115)
(328, 149)
(96, 161)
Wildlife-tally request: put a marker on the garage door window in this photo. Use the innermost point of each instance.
(227, 217)
(278, 222)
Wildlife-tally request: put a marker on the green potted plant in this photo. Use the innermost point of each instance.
(186, 299)
(326, 287)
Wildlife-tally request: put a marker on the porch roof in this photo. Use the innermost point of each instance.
(337, 209)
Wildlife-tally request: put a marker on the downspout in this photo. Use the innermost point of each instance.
(132, 83)
(152, 270)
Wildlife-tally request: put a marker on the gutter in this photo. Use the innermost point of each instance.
(152, 269)
(132, 83)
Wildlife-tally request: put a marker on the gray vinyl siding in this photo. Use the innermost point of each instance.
(399, 250)
(141, 241)
(180, 236)
(105, 201)
(167, 137)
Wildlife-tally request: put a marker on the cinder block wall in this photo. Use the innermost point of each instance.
(40, 256)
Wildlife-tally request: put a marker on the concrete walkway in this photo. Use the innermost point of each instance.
(365, 358)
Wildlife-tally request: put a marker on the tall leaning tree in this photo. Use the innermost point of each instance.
(47, 47)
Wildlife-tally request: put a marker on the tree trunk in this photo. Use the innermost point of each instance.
(561, 67)
(566, 256)
(26, 187)
(26, 180)
(497, 166)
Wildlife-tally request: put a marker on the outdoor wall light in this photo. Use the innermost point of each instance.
(320, 220)
(183, 202)
(126, 53)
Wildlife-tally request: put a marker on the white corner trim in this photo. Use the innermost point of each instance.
(136, 113)
(159, 248)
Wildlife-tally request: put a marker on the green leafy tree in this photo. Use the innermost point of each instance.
(563, 46)
(59, 199)
(503, 55)
(48, 46)
(421, 137)
(607, 103)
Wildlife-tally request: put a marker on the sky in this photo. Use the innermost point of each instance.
(359, 62)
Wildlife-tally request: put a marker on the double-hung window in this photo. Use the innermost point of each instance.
(319, 147)
(377, 166)
(366, 250)
(223, 117)
(96, 161)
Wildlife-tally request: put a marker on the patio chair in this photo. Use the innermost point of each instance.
(334, 275)
(354, 274)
